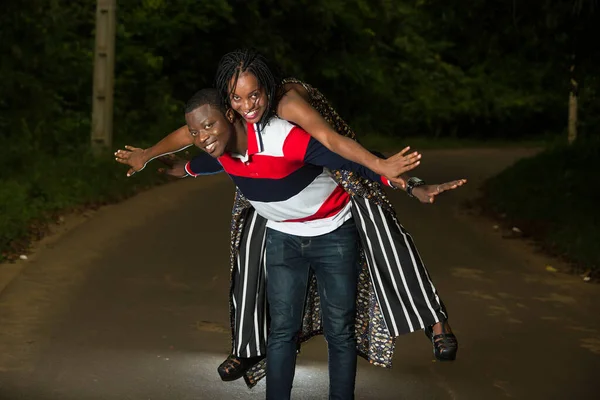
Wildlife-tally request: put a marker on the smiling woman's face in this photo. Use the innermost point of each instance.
(210, 129)
(248, 98)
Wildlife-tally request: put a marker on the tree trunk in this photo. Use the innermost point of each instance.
(104, 70)
(572, 133)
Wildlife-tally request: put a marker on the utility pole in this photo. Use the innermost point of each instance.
(104, 66)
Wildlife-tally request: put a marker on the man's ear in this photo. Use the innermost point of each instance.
(230, 115)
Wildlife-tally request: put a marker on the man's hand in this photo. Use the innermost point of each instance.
(427, 193)
(175, 166)
(134, 157)
(398, 164)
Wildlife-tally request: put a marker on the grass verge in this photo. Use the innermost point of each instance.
(554, 198)
(32, 196)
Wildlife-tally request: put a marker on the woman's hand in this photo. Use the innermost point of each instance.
(398, 164)
(134, 157)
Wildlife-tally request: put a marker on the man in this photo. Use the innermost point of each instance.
(396, 295)
(280, 171)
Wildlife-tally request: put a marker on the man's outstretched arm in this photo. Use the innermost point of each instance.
(203, 164)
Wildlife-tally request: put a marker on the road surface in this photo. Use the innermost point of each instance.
(130, 302)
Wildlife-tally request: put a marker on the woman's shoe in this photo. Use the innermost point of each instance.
(445, 345)
(235, 367)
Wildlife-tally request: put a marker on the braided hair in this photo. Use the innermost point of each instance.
(236, 62)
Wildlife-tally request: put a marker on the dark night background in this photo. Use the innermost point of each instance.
(489, 71)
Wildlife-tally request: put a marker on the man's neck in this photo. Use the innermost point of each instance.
(240, 145)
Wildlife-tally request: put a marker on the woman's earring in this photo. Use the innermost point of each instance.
(229, 114)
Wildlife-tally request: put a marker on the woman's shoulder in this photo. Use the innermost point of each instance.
(292, 88)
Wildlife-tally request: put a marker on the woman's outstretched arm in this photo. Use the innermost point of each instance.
(137, 158)
(295, 108)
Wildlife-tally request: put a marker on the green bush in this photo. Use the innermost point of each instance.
(554, 197)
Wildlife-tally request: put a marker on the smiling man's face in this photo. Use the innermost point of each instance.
(211, 130)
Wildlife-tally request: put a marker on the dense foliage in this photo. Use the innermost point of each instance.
(477, 69)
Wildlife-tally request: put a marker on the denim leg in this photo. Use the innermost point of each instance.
(287, 279)
(334, 258)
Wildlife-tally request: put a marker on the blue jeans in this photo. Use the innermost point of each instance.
(334, 259)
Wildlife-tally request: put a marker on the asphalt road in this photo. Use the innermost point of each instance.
(130, 302)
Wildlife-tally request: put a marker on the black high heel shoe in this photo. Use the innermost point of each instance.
(235, 367)
(445, 345)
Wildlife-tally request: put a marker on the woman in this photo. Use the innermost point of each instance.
(249, 86)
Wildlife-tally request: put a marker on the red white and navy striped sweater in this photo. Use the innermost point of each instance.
(284, 176)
